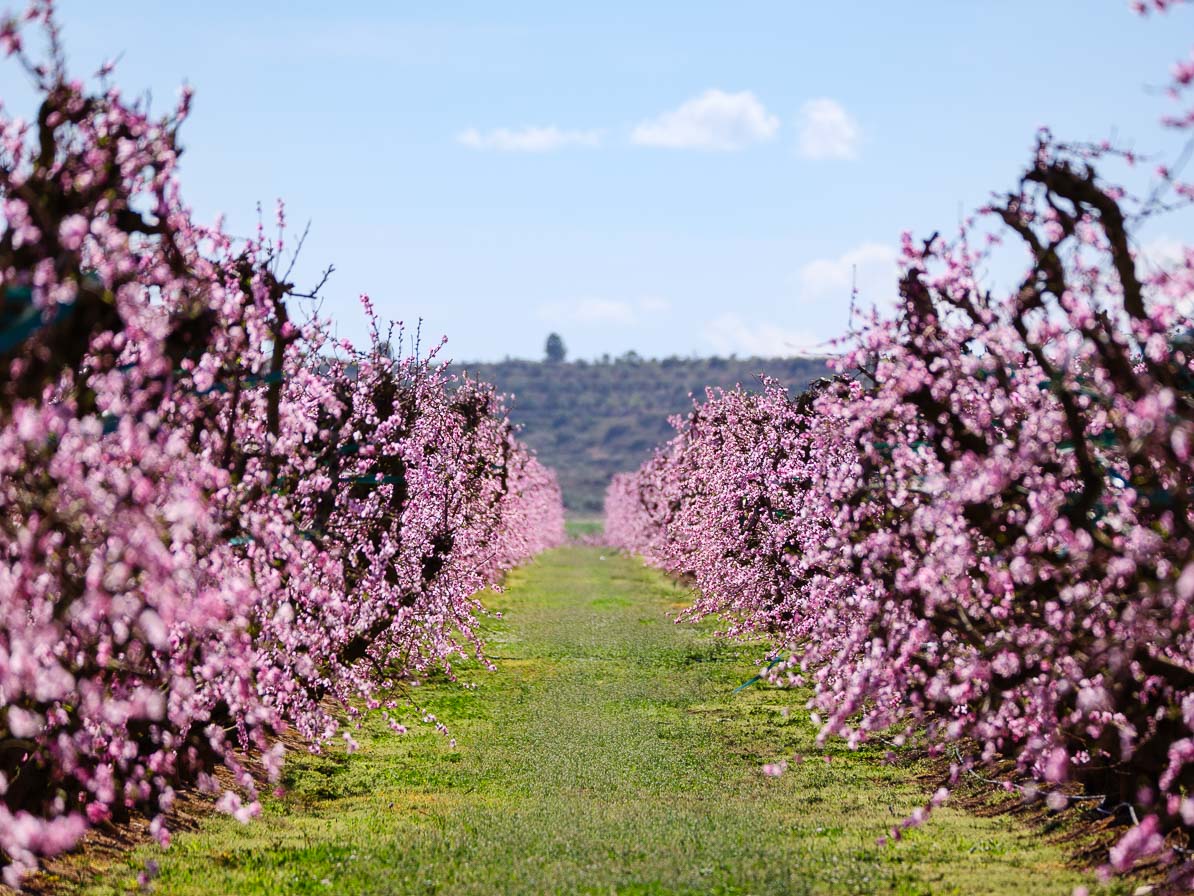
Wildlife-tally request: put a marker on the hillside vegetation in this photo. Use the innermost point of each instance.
(591, 419)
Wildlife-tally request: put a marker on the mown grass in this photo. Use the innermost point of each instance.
(608, 754)
(580, 526)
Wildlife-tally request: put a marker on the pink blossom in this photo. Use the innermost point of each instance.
(1141, 842)
(72, 230)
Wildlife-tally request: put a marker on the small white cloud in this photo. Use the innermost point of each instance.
(828, 131)
(528, 139)
(588, 311)
(603, 311)
(714, 120)
(1163, 253)
(654, 305)
(873, 266)
(731, 334)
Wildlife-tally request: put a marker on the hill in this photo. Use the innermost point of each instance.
(591, 419)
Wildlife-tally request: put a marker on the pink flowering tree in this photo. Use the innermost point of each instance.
(978, 535)
(214, 525)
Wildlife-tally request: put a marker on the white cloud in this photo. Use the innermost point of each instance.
(831, 279)
(828, 131)
(603, 311)
(654, 305)
(528, 139)
(1163, 253)
(731, 334)
(588, 311)
(714, 120)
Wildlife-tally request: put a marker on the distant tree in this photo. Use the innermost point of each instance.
(555, 349)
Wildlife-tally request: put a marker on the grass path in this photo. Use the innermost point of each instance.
(607, 755)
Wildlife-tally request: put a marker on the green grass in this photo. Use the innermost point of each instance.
(578, 526)
(607, 755)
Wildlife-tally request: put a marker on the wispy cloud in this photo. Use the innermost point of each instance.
(603, 311)
(828, 131)
(732, 334)
(714, 120)
(1163, 253)
(873, 266)
(527, 139)
(654, 305)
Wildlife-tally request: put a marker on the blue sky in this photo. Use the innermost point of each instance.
(672, 178)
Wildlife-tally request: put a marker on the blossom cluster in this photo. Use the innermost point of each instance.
(216, 524)
(978, 536)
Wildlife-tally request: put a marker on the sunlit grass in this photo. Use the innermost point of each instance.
(607, 755)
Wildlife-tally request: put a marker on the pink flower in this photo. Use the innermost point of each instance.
(1057, 765)
(1141, 842)
(71, 232)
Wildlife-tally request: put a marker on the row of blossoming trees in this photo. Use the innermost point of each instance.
(215, 525)
(978, 536)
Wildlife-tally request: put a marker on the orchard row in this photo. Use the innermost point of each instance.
(215, 523)
(977, 537)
